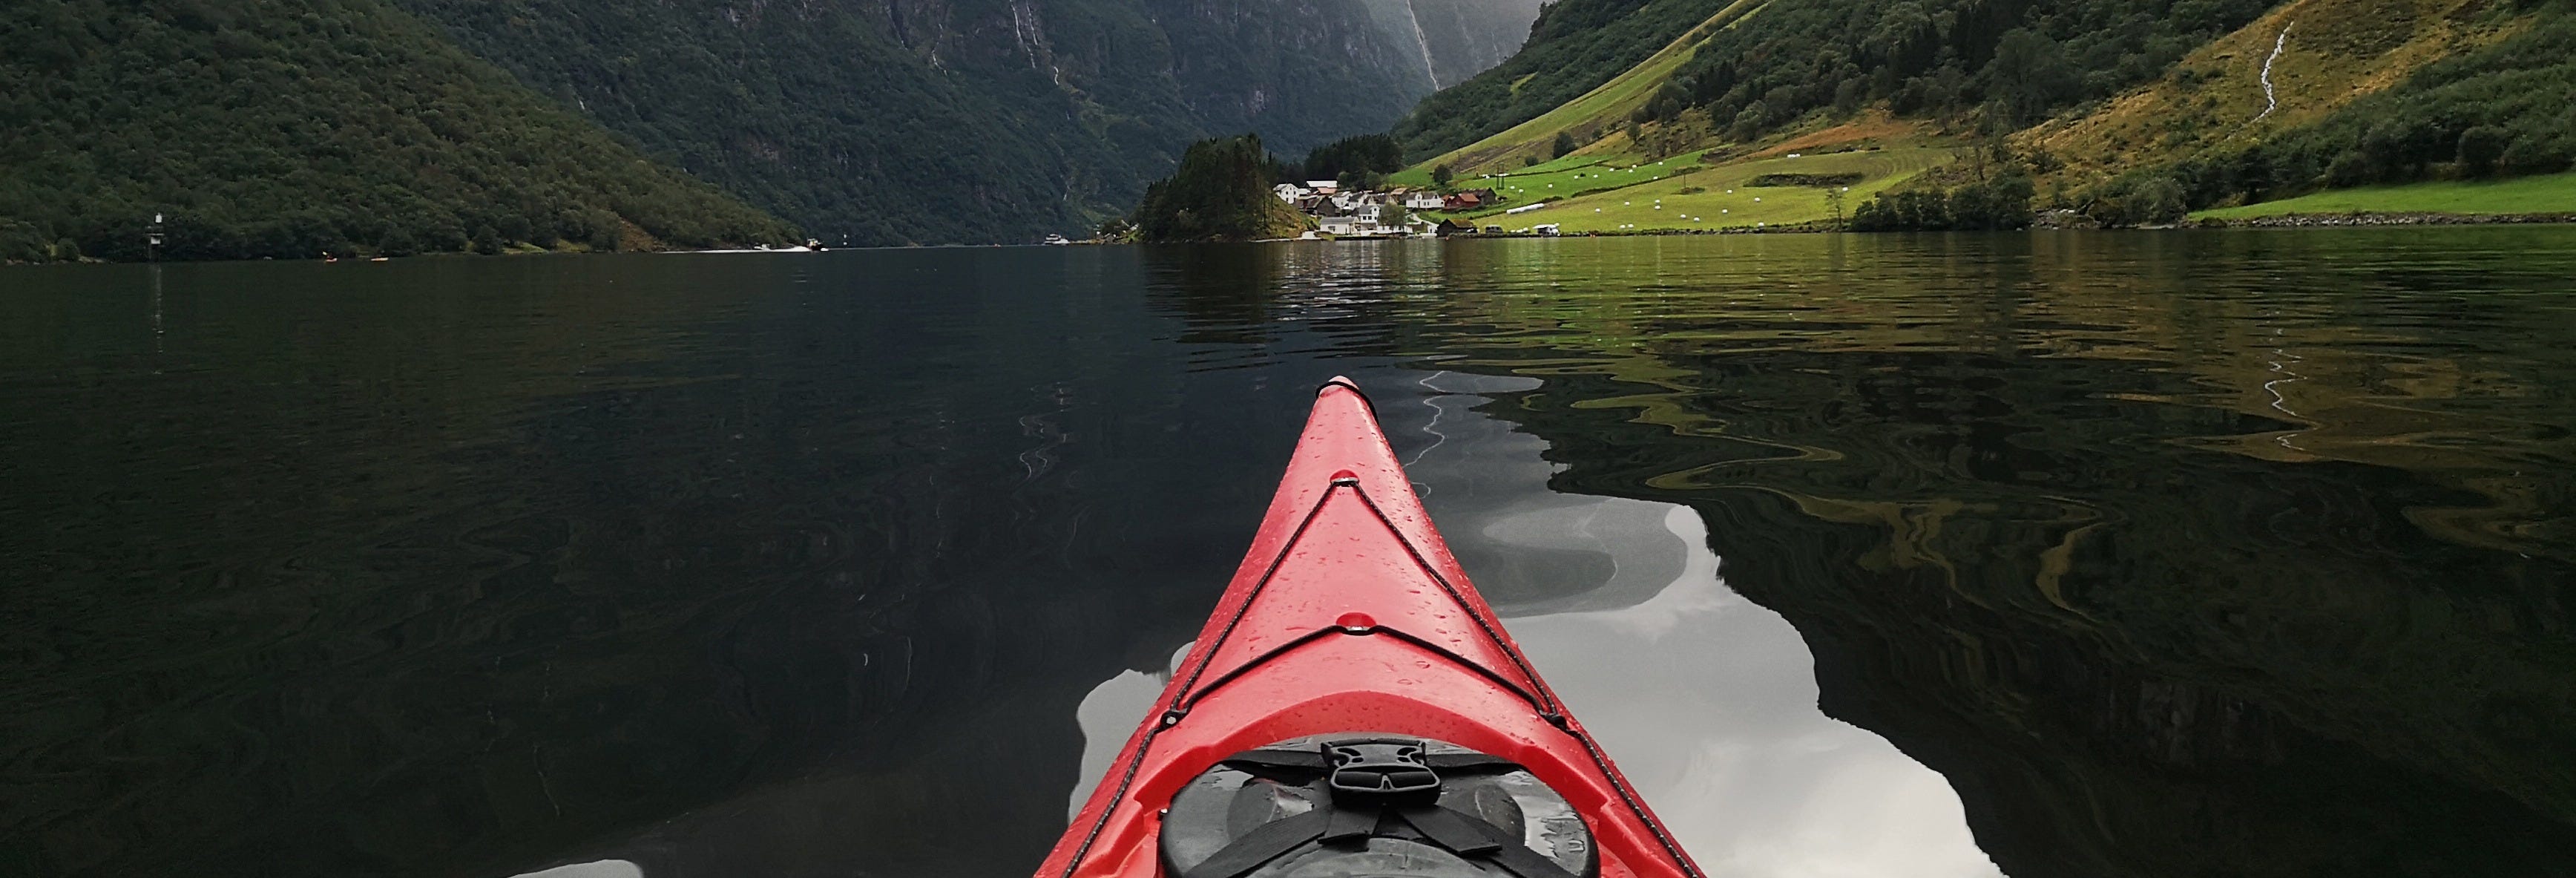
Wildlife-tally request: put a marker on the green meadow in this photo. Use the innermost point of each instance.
(1722, 196)
(2552, 193)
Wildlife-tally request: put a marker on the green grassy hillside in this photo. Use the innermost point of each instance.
(289, 127)
(2551, 193)
(2128, 110)
(2444, 91)
(1574, 47)
(1574, 174)
(1747, 70)
(1727, 196)
(1594, 112)
(2330, 53)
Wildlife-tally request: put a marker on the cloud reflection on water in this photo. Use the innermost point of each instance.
(1707, 700)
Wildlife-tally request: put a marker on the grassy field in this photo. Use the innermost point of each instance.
(2555, 193)
(1566, 176)
(1602, 107)
(1723, 200)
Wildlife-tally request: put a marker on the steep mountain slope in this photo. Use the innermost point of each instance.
(1456, 39)
(949, 121)
(289, 127)
(1468, 37)
(1573, 47)
(2258, 82)
(2168, 103)
(1598, 110)
(1751, 67)
(2334, 93)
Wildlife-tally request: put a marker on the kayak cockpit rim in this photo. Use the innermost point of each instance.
(1187, 693)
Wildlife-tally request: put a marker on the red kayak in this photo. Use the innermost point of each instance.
(1353, 709)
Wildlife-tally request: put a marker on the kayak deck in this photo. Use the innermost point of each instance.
(1350, 616)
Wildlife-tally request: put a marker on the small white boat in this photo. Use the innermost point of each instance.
(1057, 241)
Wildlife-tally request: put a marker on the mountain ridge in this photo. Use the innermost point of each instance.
(950, 121)
(399, 126)
(287, 128)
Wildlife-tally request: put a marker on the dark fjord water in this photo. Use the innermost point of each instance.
(2079, 555)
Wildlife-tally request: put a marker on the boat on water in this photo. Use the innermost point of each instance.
(1057, 241)
(1354, 709)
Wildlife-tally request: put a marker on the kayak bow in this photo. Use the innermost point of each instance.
(1353, 708)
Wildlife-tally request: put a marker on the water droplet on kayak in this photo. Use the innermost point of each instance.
(1356, 622)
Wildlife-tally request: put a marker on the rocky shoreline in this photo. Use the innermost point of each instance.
(2047, 222)
(2325, 220)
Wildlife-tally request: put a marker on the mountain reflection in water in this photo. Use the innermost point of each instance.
(2226, 553)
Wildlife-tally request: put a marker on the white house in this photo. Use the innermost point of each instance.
(1339, 224)
(1289, 192)
(1422, 199)
(1327, 187)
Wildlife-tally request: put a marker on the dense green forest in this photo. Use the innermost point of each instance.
(1792, 57)
(1574, 46)
(2017, 59)
(1361, 161)
(286, 128)
(1220, 192)
(2002, 202)
(947, 121)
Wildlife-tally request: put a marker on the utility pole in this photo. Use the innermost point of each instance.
(152, 240)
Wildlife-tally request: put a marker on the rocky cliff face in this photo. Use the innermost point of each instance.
(1468, 37)
(951, 121)
(1450, 40)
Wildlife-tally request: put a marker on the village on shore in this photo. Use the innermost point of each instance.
(1395, 212)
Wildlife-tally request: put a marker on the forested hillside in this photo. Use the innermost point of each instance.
(2126, 111)
(1220, 192)
(287, 128)
(1776, 61)
(949, 121)
(2020, 58)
